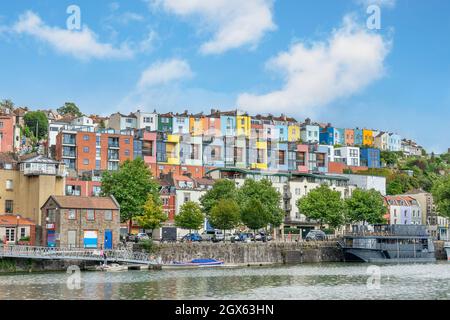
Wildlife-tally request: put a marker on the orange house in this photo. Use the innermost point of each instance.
(349, 137)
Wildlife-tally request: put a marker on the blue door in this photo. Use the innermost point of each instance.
(108, 239)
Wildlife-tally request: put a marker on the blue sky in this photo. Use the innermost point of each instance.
(304, 58)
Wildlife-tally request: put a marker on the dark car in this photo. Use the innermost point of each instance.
(316, 235)
(192, 237)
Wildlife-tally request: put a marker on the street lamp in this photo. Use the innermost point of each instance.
(17, 228)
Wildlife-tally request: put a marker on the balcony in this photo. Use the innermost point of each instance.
(113, 145)
(69, 142)
(69, 155)
(44, 170)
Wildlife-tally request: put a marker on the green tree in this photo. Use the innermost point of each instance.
(441, 195)
(225, 215)
(152, 215)
(36, 121)
(131, 185)
(222, 189)
(254, 215)
(7, 104)
(267, 195)
(70, 108)
(365, 206)
(324, 205)
(190, 217)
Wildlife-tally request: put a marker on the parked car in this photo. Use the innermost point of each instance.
(316, 235)
(131, 238)
(218, 236)
(142, 236)
(192, 237)
(262, 236)
(244, 237)
(208, 235)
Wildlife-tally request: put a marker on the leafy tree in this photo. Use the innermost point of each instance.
(190, 216)
(441, 195)
(70, 108)
(225, 215)
(365, 206)
(131, 185)
(324, 205)
(254, 215)
(36, 120)
(222, 189)
(152, 215)
(267, 195)
(7, 104)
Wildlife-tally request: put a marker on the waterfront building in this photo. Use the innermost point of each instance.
(165, 122)
(26, 182)
(84, 149)
(81, 222)
(82, 188)
(17, 230)
(7, 125)
(366, 182)
(403, 210)
(370, 157)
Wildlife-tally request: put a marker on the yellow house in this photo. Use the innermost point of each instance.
(196, 125)
(293, 133)
(26, 184)
(243, 125)
(173, 149)
(367, 137)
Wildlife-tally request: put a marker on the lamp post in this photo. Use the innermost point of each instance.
(17, 229)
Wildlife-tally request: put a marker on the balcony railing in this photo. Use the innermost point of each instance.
(69, 141)
(45, 171)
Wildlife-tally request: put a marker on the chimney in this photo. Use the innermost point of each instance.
(308, 121)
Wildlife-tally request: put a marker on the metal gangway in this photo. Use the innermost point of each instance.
(80, 254)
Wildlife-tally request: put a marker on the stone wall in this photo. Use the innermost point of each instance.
(439, 250)
(32, 265)
(249, 253)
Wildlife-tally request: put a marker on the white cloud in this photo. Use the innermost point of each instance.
(82, 44)
(164, 72)
(381, 3)
(234, 23)
(316, 75)
(148, 43)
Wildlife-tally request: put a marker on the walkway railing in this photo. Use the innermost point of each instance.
(126, 256)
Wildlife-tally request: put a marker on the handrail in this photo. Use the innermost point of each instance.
(74, 254)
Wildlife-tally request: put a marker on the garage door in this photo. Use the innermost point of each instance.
(90, 239)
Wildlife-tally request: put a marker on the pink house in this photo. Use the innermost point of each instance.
(6, 133)
(302, 158)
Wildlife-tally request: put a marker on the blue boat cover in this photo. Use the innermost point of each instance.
(203, 260)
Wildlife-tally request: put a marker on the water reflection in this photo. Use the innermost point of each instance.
(324, 281)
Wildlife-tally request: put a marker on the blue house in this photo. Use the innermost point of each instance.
(358, 137)
(370, 157)
(327, 136)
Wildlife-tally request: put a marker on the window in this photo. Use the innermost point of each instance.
(301, 158)
(187, 197)
(127, 141)
(86, 149)
(9, 206)
(147, 119)
(23, 233)
(71, 214)
(86, 137)
(96, 191)
(86, 162)
(321, 160)
(281, 155)
(127, 152)
(98, 141)
(1, 124)
(97, 164)
(98, 153)
(90, 215)
(108, 215)
(9, 185)
(10, 234)
(129, 120)
(73, 190)
(51, 216)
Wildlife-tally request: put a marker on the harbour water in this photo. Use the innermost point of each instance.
(306, 281)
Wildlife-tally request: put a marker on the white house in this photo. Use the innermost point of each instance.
(347, 155)
(367, 182)
(403, 210)
(146, 120)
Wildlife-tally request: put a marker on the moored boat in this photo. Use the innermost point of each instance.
(389, 243)
(194, 263)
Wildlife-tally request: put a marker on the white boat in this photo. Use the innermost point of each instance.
(114, 267)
